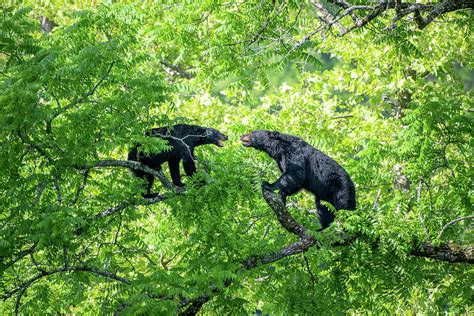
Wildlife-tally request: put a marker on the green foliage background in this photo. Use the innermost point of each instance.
(371, 101)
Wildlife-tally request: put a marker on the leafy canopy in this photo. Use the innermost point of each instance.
(394, 108)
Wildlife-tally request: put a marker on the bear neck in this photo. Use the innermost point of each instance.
(196, 141)
(276, 152)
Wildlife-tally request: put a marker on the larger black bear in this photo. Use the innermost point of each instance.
(183, 139)
(303, 166)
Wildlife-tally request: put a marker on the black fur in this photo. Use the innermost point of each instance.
(183, 139)
(305, 167)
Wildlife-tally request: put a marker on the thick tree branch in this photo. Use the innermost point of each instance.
(446, 252)
(285, 218)
(195, 305)
(40, 191)
(131, 165)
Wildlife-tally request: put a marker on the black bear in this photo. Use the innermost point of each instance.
(303, 166)
(182, 138)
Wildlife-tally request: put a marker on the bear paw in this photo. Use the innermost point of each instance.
(267, 186)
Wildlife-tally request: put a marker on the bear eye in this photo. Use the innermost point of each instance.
(274, 134)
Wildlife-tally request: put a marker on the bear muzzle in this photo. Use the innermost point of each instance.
(222, 139)
(246, 141)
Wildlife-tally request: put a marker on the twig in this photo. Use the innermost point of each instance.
(376, 202)
(453, 222)
(177, 69)
(36, 147)
(257, 218)
(81, 187)
(25, 285)
(58, 191)
(41, 189)
(35, 263)
(313, 279)
(127, 203)
(85, 96)
(266, 23)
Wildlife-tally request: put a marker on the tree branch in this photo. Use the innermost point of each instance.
(18, 257)
(81, 187)
(125, 204)
(446, 252)
(80, 99)
(25, 139)
(40, 191)
(433, 10)
(25, 285)
(132, 165)
(181, 72)
(453, 222)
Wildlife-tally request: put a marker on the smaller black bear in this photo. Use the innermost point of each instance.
(182, 138)
(303, 166)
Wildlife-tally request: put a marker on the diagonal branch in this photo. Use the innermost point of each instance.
(26, 284)
(327, 17)
(80, 99)
(81, 187)
(180, 71)
(453, 222)
(25, 139)
(125, 204)
(17, 257)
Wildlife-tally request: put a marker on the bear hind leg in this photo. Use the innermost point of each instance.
(326, 217)
(149, 183)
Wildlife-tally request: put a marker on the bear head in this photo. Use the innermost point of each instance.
(260, 139)
(271, 142)
(211, 136)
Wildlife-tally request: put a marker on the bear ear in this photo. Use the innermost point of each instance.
(274, 135)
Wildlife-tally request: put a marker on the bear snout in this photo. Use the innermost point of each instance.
(246, 141)
(222, 138)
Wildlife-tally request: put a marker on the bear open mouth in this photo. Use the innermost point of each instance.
(246, 140)
(220, 143)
